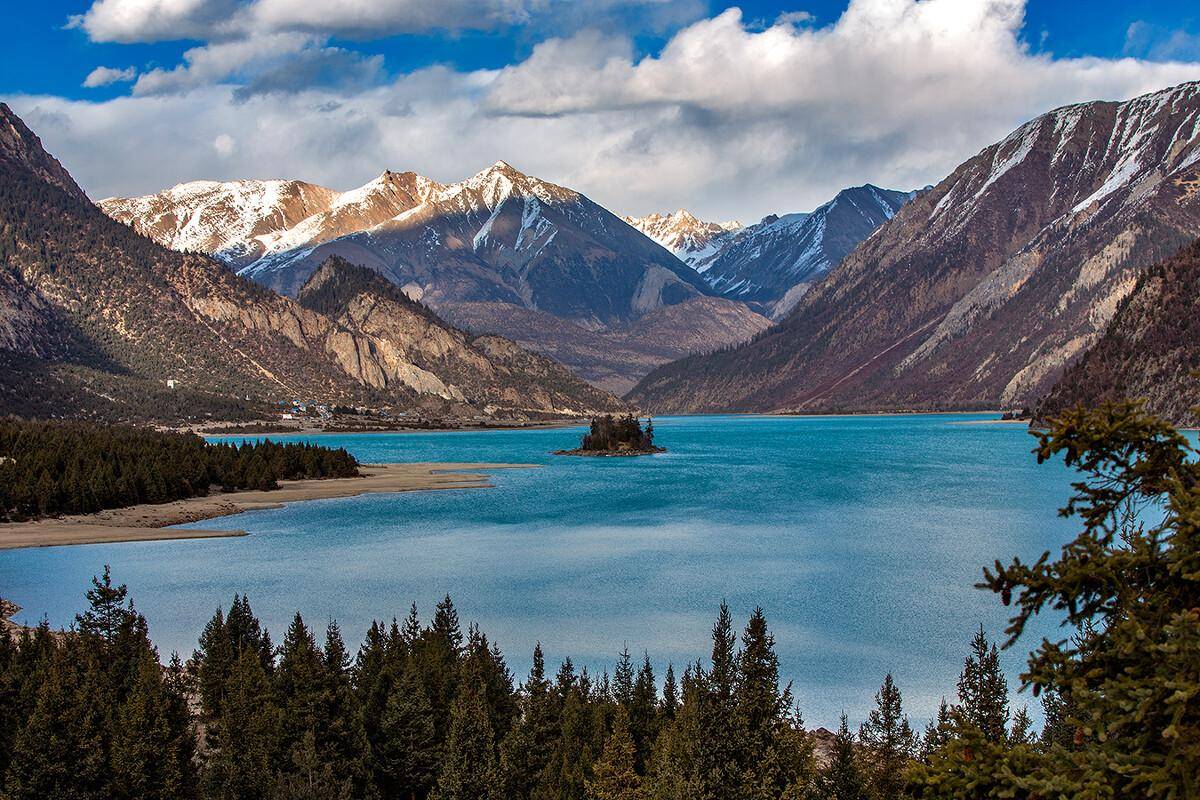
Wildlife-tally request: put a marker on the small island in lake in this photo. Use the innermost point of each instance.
(617, 436)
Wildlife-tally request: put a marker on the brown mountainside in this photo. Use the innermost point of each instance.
(489, 372)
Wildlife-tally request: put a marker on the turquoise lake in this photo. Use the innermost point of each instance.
(861, 537)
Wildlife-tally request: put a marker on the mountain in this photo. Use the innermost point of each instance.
(95, 319)
(489, 372)
(772, 264)
(979, 292)
(502, 239)
(500, 235)
(615, 358)
(692, 241)
(1151, 350)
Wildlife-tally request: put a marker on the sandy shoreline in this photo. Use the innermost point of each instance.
(150, 522)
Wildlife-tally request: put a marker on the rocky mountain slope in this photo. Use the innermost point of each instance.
(692, 241)
(95, 319)
(509, 241)
(980, 291)
(489, 372)
(500, 235)
(615, 358)
(1151, 350)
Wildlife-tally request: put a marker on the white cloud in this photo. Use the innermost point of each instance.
(157, 20)
(728, 120)
(103, 76)
(214, 63)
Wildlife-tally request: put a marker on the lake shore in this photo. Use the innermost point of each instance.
(148, 522)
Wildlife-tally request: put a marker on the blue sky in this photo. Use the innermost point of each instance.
(43, 56)
(644, 104)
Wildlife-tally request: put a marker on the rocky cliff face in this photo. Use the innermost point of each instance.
(423, 352)
(89, 306)
(980, 291)
(1150, 351)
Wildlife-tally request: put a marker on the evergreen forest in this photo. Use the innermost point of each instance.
(52, 468)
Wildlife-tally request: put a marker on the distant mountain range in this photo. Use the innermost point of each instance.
(980, 291)
(771, 264)
(95, 320)
(491, 252)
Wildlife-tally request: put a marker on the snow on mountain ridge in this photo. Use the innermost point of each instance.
(772, 262)
(689, 239)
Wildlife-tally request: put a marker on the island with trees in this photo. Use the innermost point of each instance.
(616, 436)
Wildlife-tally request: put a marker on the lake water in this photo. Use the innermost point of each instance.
(861, 537)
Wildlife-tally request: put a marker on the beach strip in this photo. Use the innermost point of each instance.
(148, 522)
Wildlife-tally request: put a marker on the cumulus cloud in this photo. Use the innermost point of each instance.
(129, 21)
(729, 119)
(222, 61)
(278, 62)
(104, 76)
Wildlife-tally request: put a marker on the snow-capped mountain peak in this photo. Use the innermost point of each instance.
(691, 240)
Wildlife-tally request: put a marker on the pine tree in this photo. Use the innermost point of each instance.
(615, 777)
(983, 691)
(343, 739)
(248, 732)
(570, 764)
(717, 748)
(843, 778)
(526, 749)
(1058, 729)
(938, 732)
(623, 679)
(150, 750)
(406, 755)
(311, 779)
(643, 713)
(889, 741)
(212, 663)
(468, 768)
(106, 613)
(1022, 728)
(670, 697)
